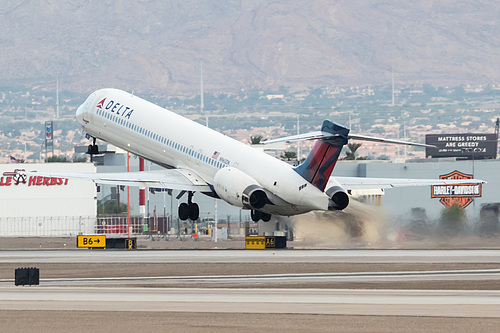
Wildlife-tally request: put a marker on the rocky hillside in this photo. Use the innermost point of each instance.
(150, 45)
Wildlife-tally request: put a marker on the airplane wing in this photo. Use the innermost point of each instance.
(361, 183)
(175, 179)
(326, 136)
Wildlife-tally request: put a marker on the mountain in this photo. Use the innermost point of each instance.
(157, 46)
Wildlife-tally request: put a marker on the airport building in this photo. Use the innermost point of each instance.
(46, 206)
(400, 202)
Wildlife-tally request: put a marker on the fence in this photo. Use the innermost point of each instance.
(64, 226)
(67, 226)
(119, 225)
(46, 225)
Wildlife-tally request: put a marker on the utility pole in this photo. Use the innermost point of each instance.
(404, 134)
(298, 142)
(497, 126)
(202, 104)
(216, 218)
(57, 97)
(392, 85)
(128, 197)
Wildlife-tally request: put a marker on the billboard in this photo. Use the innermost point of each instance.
(467, 146)
(49, 135)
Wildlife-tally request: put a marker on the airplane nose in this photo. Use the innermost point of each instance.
(82, 113)
(79, 113)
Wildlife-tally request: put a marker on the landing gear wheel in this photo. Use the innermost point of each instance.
(194, 211)
(93, 148)
(255, 215)
(265, 217)
(183, 211)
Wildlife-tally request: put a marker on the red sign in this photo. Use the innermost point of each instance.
(13, 178)
(462, 194)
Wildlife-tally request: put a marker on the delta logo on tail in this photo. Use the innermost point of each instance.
(114, 107)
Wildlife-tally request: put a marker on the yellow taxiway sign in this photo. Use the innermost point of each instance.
(91, 241)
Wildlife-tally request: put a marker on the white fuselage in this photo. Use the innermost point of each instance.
(171, 140)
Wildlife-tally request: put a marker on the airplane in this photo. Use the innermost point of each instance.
(196, 158)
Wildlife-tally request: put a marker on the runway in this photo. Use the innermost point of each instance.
(279, 301)
(273, 280)
(249, 256)
(249, 269)
(451, 285)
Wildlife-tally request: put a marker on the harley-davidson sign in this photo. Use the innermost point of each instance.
(462, 194)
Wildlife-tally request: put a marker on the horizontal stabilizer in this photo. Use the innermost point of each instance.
(397, 142)
(327, 136)
(300, 137)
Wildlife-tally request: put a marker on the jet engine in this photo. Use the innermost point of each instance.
(339, 199)
(239, 189)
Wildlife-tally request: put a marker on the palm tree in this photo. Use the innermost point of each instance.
(453, 220)
(351, 154)
(255, 140)
(289, 155)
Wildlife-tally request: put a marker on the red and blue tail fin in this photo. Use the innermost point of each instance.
(319, 165)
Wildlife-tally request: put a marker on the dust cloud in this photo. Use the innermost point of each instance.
(363, 225)
(359, 225)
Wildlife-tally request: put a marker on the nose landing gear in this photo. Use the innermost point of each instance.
(93, 148)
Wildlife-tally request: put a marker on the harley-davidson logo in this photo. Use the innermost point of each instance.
(462, 194)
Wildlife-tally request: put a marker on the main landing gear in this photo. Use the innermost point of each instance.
(189, 210)
(93, 148)
(258, 215)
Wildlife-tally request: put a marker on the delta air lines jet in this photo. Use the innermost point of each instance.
(198, 159)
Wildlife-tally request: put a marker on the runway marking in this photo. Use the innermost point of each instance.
(437, 303)
(250, 256)
(295, 277)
